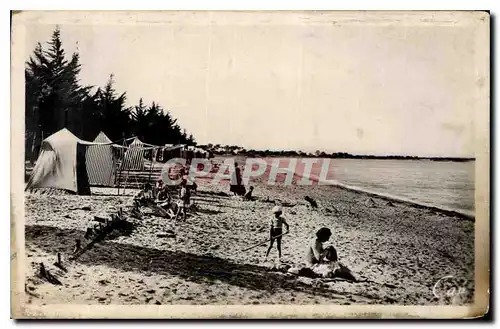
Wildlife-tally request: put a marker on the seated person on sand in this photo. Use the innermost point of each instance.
(163, 195)
(248, 196)
(184, 200)
(315, 251)
(324, 261)
(164, 201)
(145, 195)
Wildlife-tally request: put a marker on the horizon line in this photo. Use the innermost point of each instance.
(312, 153)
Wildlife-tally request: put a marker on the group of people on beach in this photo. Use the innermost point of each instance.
(161, 196)
(319, 260)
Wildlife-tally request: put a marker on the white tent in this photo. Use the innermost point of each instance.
(61, 164)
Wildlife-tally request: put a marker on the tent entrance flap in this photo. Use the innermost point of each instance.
(82, 179)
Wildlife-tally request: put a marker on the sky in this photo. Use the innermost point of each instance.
(304, 82)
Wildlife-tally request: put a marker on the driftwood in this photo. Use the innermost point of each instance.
(44, 273)
(117, 222)
(59, 263)
(98, 238)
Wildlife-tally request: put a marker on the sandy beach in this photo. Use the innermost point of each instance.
(398, 250)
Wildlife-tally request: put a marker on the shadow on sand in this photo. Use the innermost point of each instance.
(217, 194)
(201, 210)
(191, 267)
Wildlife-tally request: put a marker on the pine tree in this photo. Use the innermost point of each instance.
(140, 119)
(54, 98)
(35, 90)
(110, 114)
(191, 140)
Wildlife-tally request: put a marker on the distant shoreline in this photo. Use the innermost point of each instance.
(234, 150)
(264, 154)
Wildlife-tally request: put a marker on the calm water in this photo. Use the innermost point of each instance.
(448, 185)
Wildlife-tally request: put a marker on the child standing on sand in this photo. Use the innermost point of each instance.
(277, 222)
(184, 200)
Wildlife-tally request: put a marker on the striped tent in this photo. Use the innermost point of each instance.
(134, 156)
(101, 162)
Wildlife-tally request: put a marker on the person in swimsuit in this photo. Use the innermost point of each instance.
(277, 222)
(324, 262)
(184, 200)
(144, 196)
(315, 252)
(163, 200)
(162, 194)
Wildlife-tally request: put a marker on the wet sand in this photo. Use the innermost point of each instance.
(402, 250)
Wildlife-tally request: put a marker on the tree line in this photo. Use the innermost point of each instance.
(55, 99)
(218, 149)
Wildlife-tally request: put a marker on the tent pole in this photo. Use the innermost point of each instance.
(153, 155)
(117, 178)
(120, 170)
(126, 179)
(141, 165)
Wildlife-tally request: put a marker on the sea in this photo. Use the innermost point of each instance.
(446, 185)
